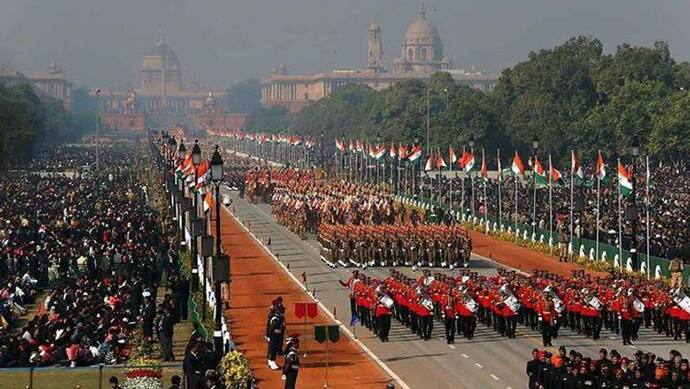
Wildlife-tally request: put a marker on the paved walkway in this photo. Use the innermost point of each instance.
(256, 280)
(488, 361)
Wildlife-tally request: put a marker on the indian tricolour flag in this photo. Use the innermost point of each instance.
(467, 161)
(415, 153)
(624, 179)
(556, 177)
(517, 166)
(576, 169)
(452, 158)
(600, 167)
(540, 174)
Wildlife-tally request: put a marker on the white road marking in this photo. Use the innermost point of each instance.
(508, 387)
(466, 356)
(612, 337)
(494, 377)
(451, 346)
(631, 346)
(323, 307)
(478, 365)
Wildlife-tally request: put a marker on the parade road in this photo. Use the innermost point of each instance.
(486, 361)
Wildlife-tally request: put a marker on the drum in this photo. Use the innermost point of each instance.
(596, 303)
(387, 301)
(428, 304)
(638, 305)
(682, 300)
(471, 305)
(512, 303)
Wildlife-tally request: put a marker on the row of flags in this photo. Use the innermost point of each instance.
(185, 171)
(466, 161)
(294, 140)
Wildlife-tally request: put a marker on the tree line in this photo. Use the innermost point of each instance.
(572, 96)
(28, 123)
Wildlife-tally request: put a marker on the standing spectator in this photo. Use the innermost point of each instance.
(165, 334)
(192, 367)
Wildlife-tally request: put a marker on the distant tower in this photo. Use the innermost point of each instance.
(375, 57)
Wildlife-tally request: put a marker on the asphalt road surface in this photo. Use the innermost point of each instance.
(487, 361)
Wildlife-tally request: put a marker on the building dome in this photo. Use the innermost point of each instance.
(421, 49)
(422, 30)
(161, 49)
(161, 70)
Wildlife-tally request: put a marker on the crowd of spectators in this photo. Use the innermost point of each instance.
(669, 197)
(95, 241)
(566, 370)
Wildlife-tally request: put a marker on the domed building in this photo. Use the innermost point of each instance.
(421, 56)
(421, 48)
(160, 71)
(162, 99)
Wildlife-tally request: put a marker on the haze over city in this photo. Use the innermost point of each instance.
(222, 42)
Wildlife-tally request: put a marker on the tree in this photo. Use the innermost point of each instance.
(245, 97)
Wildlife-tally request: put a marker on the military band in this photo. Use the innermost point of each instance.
(543, 302)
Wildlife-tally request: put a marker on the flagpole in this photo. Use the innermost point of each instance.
(450, 181)
(462, 188)
(649, 273)
(572, 181)
(486, 199)
(620, 224)
(500, 179)
(440, 178)
(534, 198)
(550, 204)
(349, 164)
(413, 192)
(598, 206)
(421, 194)
(516, 206)
(472, 187)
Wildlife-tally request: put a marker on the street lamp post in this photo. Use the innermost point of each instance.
(172, 145)
(472, 177)
(535, 147)
(633, 204)
(428, 118)
(196, 160)
(216, 177)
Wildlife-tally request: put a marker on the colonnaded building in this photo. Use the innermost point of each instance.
(421, 55)
(51, 83)
(162, 100)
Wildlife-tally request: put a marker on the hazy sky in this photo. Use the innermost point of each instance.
(219, 42)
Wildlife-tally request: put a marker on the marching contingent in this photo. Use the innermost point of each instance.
(357, 216)
(543, 302)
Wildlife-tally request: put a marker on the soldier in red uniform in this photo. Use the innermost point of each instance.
(547, 317)
(382, 315)
(627, 315)
(449, 317)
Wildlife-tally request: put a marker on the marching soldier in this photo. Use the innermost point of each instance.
(350, 285)
(466, 250)
(467, 322)
(291, 367)
(382, 313)
(449, 317)
(547, 314)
